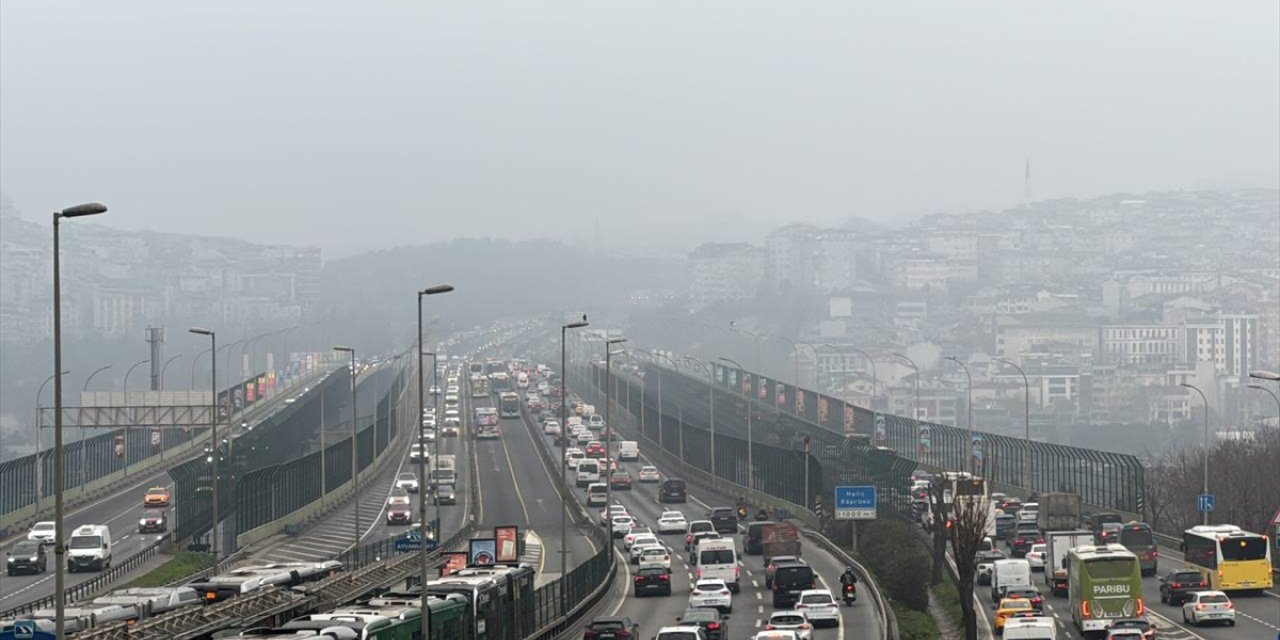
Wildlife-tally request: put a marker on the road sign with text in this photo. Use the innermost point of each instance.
(856, 503)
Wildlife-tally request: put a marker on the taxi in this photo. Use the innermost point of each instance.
(156, 497)
(1010, 607)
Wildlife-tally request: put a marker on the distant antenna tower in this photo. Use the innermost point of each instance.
(1026, 186)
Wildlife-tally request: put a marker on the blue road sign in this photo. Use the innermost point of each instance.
(855, 503)
(24, 630)
(1204, 502)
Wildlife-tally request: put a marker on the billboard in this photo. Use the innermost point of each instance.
(482, 552)
(508, 544)
(454, 561)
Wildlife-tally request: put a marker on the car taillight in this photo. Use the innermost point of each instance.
(1199, 607)
(769, 627)
(736, 572)
(1084, 610)
(625, 633)
(699, 574)
(639, 578)
(1142, 607)
(724, 592)
(712, 626)
(665, 578)
(1175, 585)
(696, 592)
(1231, 605)
(591, 634)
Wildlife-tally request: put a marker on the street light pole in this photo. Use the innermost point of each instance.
(213, 431)
(564, 463)
(1204, 488)
(194, 362)
(126, 402)
(844, 368)
(166, 368)
(424, 565)
(39, 428)
(608, 428)
(1269, 392)
(874, 378)
(795, 359)
(751, 485)
(84, 476)
(969, 444)
(60, 544)
(1026, 424)
(355, 449)
(711, 407)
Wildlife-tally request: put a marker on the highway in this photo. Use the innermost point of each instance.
(119, 511)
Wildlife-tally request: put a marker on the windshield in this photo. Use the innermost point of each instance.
(86, 542)
(26, 548)
(722, 556)
(1111, 568)
(1244, 549)
(1137, 537)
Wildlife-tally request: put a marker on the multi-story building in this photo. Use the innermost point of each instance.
(1141, 344)
(725, 272)
(1229, 341)
(1016, 335)
(930, 272)
(808, 259)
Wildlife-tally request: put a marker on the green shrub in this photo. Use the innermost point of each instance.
(899, 561)
(915, 625)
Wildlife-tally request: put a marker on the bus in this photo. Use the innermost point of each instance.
(495, 366)
(1230, 558)
(475, 369)
(509, 404)
(487, 425)
(499, 383)
(1138, 538)
(501, 598)
(1104, 582)
(479, 387)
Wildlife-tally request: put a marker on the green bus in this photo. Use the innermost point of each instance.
(1104, 582)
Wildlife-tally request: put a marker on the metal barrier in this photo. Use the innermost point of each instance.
(88, 587)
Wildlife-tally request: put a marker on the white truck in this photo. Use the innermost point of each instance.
(1058, 543)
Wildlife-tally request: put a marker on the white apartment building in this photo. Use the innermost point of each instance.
(931, 272)
(1229, 341)
(725, 272)
(1141, 344)
(809, 259)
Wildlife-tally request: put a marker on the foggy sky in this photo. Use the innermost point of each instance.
(363, 125)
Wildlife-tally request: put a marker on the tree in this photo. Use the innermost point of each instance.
(938, 526)
(966, 527)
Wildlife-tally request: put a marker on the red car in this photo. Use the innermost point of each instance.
(595, 450)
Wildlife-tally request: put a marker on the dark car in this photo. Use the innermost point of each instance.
(28, 556)
(153, 522)
(772, 568)
(620, 479)
(1024, 535)
(1141, 624)
(753, 539)
(724, 519)
(1109, 533)
(1175, 586)
(611, 627)
(789, 579)
(1004, 523)
(653, 580)
(1030, 593)
(673, 490)
(445, 494)
(711, 621)
(1095, 520)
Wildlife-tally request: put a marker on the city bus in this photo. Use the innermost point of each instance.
(509, 404)
(495, 366)
(479, 387)
(1230, 558)
(1138, 538)
(501, 598)
(1104, 582)
(475, 369)
(499, 383)
(487, 425)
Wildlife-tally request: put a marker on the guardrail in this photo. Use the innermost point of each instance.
(88, 587)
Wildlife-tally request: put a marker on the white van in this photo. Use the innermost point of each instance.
(628, 450)
(718, 559)
(1038, 628)
(595, 422)
(522, 380)
(1009, 573)
(90, 548)
(588, 471)
(597, 494)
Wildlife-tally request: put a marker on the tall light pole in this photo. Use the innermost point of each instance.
(424, 565)
(126, 378)
(355, 449)
(844, 368)
(608, 430)
(166, 368)
(1270, 392)
(874, 378)
(711, 406)
(564, 462)
(1204, 487)
(39, 420)
(1026, 425)
(250, 347)
(126, 402)
(83, 471)
(734, 327)
(213, 428)
(750, 442)
(916, 411)
(795, 359)
(653, 357)
(195, 361)
(968, 447)
(60, 544)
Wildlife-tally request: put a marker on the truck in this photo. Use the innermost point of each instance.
(1058, 512)
(447, 461)
(780, 539)
(1057, 546)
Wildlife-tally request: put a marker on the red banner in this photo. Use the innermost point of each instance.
(508, 544)
(453, 561)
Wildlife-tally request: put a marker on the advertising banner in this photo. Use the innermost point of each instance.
(508, 544)
(453, 561)
(849, 423)
(800, 402)
(824, 410)
(155, 437)
(979, 455)
(926, 440)
(483, 552)
(119, 440)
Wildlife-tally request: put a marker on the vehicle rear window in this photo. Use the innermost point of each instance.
(1111, 568)
(1213, 598)
(1244, 549)
(652, 572)
(816, 598)
(787, 619)
(793, 575)
(677, 635)
(606, 625)
(1137, 537)
(700, 526)
(719, 556)
(1186, 576)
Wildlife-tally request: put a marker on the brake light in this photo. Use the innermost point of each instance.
(769, 627)
(639, 579)
(1142, 607)
(1231, 605)
(804, 626)
(1175, 585)
(1084, 610)
(664, 577)
(724, 592)
(625, 633)
(1199, 607)
(712, 626)
(591, 634)
(736, 572)
(699, 574)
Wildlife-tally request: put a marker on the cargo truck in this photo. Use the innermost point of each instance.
(780, 540)
(1058, 512)
(1058, 544)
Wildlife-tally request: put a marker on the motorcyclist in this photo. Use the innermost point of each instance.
(762, 515)
(848, 577)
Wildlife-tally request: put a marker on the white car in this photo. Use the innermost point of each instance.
(653, 555)
(683, 632)
(622, 525)
(613, 510)
(551, 428)
(672, 522)
(637, 530)
(638, 538)
(818, 606)
(649, 473)
(1208, 606)
(712, 593)
(1035, 557)
(777, 634)
(43, 531)
(407, 481)
(790, 621)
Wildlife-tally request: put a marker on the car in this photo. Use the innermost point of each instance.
(398, 496)
(620, 480)
(772, 568)
(680, 633)
(1146, 630)
(622, 525)
(1208, 606)
(1009, 607)
(723, 519)
(429, 432)
(451, 427)
(649, 473)
(672, 522)
(1177, 586)
(27, 556)
(572, 455)
(445, 494)
(1035, 557)
(638, 531)
(400, 514)
(696, 526)
(1110, 532)
(595, 449)
(1028, 592)
(789, 581)
(652, 580)
(42, 531)
(776, 634)
(156, 497)
(1024, 535)
(1123, 634)
(712, 622)
(986, 562)
(584, 438)
(790, 621)
(551, 428)
(711, 592)
(611, 628)
(819, 607)
(153, 522)
(673, 490)
(408, 481)
(597, 494)
(651, 554)
(611, 511)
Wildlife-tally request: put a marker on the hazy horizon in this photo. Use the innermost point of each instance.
(314, 124)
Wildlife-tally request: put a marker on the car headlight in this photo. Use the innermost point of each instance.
(142, 521)
(34, 558)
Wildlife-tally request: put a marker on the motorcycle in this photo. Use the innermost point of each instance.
(742, 513)
(850, 594)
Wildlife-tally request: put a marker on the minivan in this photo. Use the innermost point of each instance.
(628, 450)
(753, 539)
(718, 559)
(90, 548)
(597, 494)
(588, 472)
(789, 579)
(673, 490)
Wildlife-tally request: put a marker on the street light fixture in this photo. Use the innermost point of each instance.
(608, 431)
(355, 449)
(59, 544)
(969, 405)
(84, 476)
(1265, 375)
(564, 462)
(213, 430)
(1026, 424)
(425, 565)
(751, 469)
(1204, 487)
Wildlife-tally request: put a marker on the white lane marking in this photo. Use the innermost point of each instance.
(626, 567)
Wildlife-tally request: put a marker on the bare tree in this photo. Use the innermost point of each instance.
(966, 527)
(938, 527)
